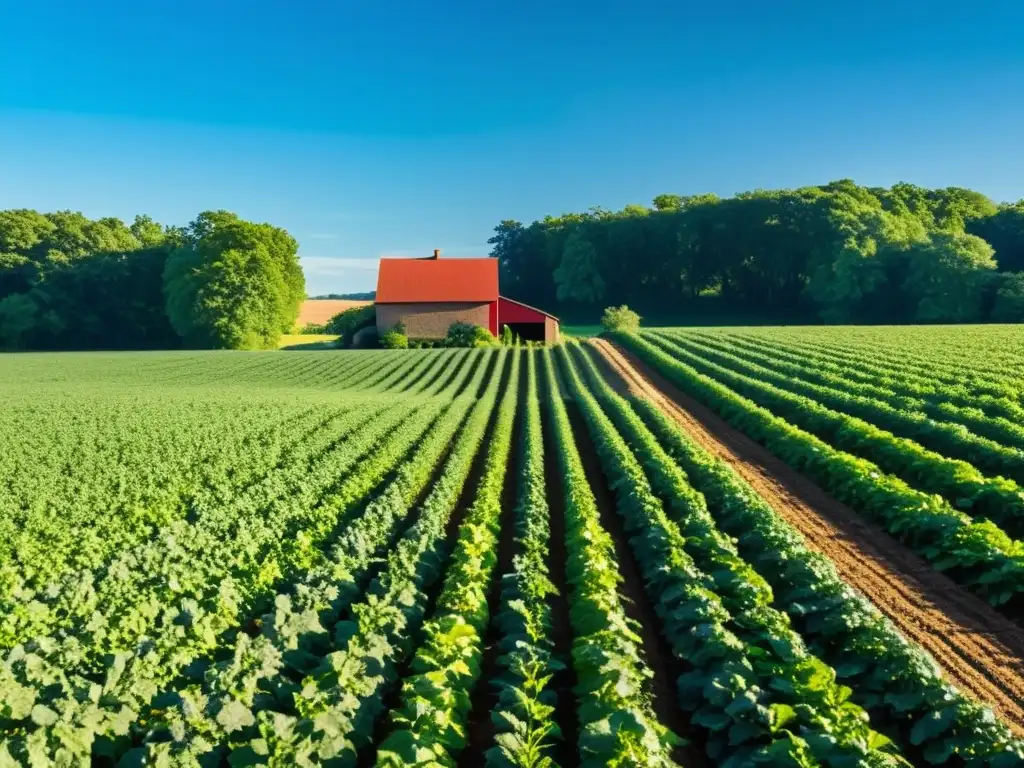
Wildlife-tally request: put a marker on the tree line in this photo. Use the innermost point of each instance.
(363, 296)
(69, 282)
(838, 253)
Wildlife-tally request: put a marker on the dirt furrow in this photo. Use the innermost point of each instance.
(979, 650)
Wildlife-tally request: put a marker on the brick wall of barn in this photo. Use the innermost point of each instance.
(430, 321)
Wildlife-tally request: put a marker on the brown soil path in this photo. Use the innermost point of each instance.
(980, 651)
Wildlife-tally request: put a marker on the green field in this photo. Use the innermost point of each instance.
(506, 557)
(582, 331)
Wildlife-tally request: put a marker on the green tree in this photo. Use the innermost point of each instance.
(668, 202)
(18, 317)
(1009, 300)
(947, 277)
(146, 231)
(577, 276)
(233, 284)
(1004, 231)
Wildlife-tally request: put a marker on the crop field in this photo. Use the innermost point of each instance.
(696, 547)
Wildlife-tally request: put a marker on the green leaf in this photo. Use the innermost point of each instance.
(44, 716)
(780, 715)
(714, 721)
(932, 725)
(234, 716)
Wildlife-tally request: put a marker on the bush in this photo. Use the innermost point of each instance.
(364, 338)
(507, 339)
(314, 329)
(468, 335)
(394, 340)
(620, 319)
(346, 324)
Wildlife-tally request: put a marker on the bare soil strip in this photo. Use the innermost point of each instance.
(979, 650)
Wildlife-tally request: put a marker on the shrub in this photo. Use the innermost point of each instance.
(468, 335)
(394, 340)
(364, 338)
(314, 329)
(346, 324)
(506, 336)
(620, 319)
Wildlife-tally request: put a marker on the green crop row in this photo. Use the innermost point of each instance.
(895, 680)
(888, 369)
(524, 728)
(125, 595)
(185, 628)
(618, 726)
(753, 685)
(979, 555)
(981, 361)
(821, 369)
(942, 439)
(429, 725)
(341, 701)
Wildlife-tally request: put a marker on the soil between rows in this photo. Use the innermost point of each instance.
(979, 650)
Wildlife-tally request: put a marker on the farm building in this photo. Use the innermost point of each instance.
(431, 293)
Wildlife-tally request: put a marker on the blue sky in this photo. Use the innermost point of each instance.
(369, 128)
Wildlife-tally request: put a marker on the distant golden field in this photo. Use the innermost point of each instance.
(321, 310)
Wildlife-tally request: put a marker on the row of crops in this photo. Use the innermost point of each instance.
(876, 444)
(475, 557)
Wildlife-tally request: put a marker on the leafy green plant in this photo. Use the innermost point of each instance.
(620, 319)
(462, 334)
(219, 574)
(943, 404)
(522, 718)
(394, 340)
(947, 477)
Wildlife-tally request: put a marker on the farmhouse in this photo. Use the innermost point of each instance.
(429, 294)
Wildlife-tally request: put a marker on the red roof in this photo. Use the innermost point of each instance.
(402, 281)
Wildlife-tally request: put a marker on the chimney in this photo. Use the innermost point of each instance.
(437, 253)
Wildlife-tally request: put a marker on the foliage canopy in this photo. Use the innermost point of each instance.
(838, 252)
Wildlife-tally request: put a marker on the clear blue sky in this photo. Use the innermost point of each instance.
(370, 128)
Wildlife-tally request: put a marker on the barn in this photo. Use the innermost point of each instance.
(429, 294)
